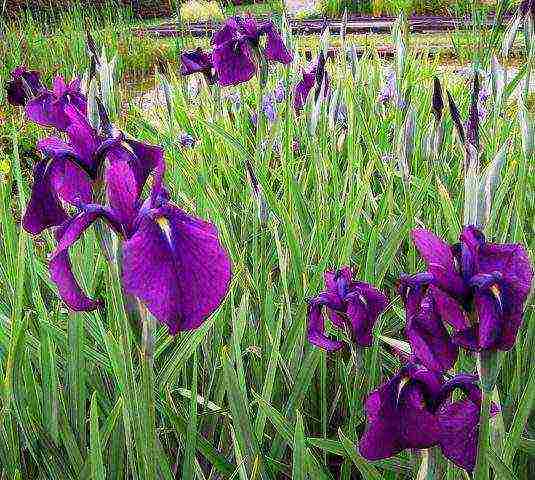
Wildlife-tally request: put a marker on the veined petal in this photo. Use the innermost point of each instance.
(176, 265)
(123, 193)
(275, 49)
(60, 263)
(233, 62)
(418, 424)
(316, 324)
(438, 256)
(491, 320)
(382, 436)
(44, 208)
(459, 431)
(48, 111)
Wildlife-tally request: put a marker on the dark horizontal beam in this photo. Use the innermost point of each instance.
(417, 24)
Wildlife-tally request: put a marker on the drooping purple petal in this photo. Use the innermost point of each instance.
(418, 424)
(400, 414)
(197, 61)
(303, 88)
(502, 280)
(316, 325)
(233, 62)
(459, 431)
(189, 272)
(44, 209)
(22, 85)
(276, 50)
(60, 264)
(382, 437)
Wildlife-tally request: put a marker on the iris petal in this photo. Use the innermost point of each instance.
(60, 264)
(233, 62)
(44, 208)
(188, 273)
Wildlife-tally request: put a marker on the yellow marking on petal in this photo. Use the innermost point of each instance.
(496, 291)
(164, 224)
(402, 383)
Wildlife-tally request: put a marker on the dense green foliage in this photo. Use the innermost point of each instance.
(245, 396)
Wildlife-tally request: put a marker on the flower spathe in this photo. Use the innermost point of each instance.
(414, 410)
(173, 262)
(23, 85)
(237, 45)
(348, 302)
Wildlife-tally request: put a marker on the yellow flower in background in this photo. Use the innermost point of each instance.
(199, 10)
(5, 167)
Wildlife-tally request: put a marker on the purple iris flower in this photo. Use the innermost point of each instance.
(527, 7)
(269, 107)
(481, 287)
(23, 85)
(414, 410)
(173, 262)
(348, 302)
(279, 92)
(313, 77)
(186, 140)
(69, 169)
(388, 90)
(49, 107)
(237, 45)
(198, 61)
(429, 339)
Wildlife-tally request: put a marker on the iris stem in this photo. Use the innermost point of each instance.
(481, 471)
(428, 467)
(488, 366)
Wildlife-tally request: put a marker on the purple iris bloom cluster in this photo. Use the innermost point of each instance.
(471, 296)
(171, 261)
(415, 410)
(478, 288)
(349, 304)
(237, 48)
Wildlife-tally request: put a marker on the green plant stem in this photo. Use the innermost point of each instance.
(428, 467)
(481, 471)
